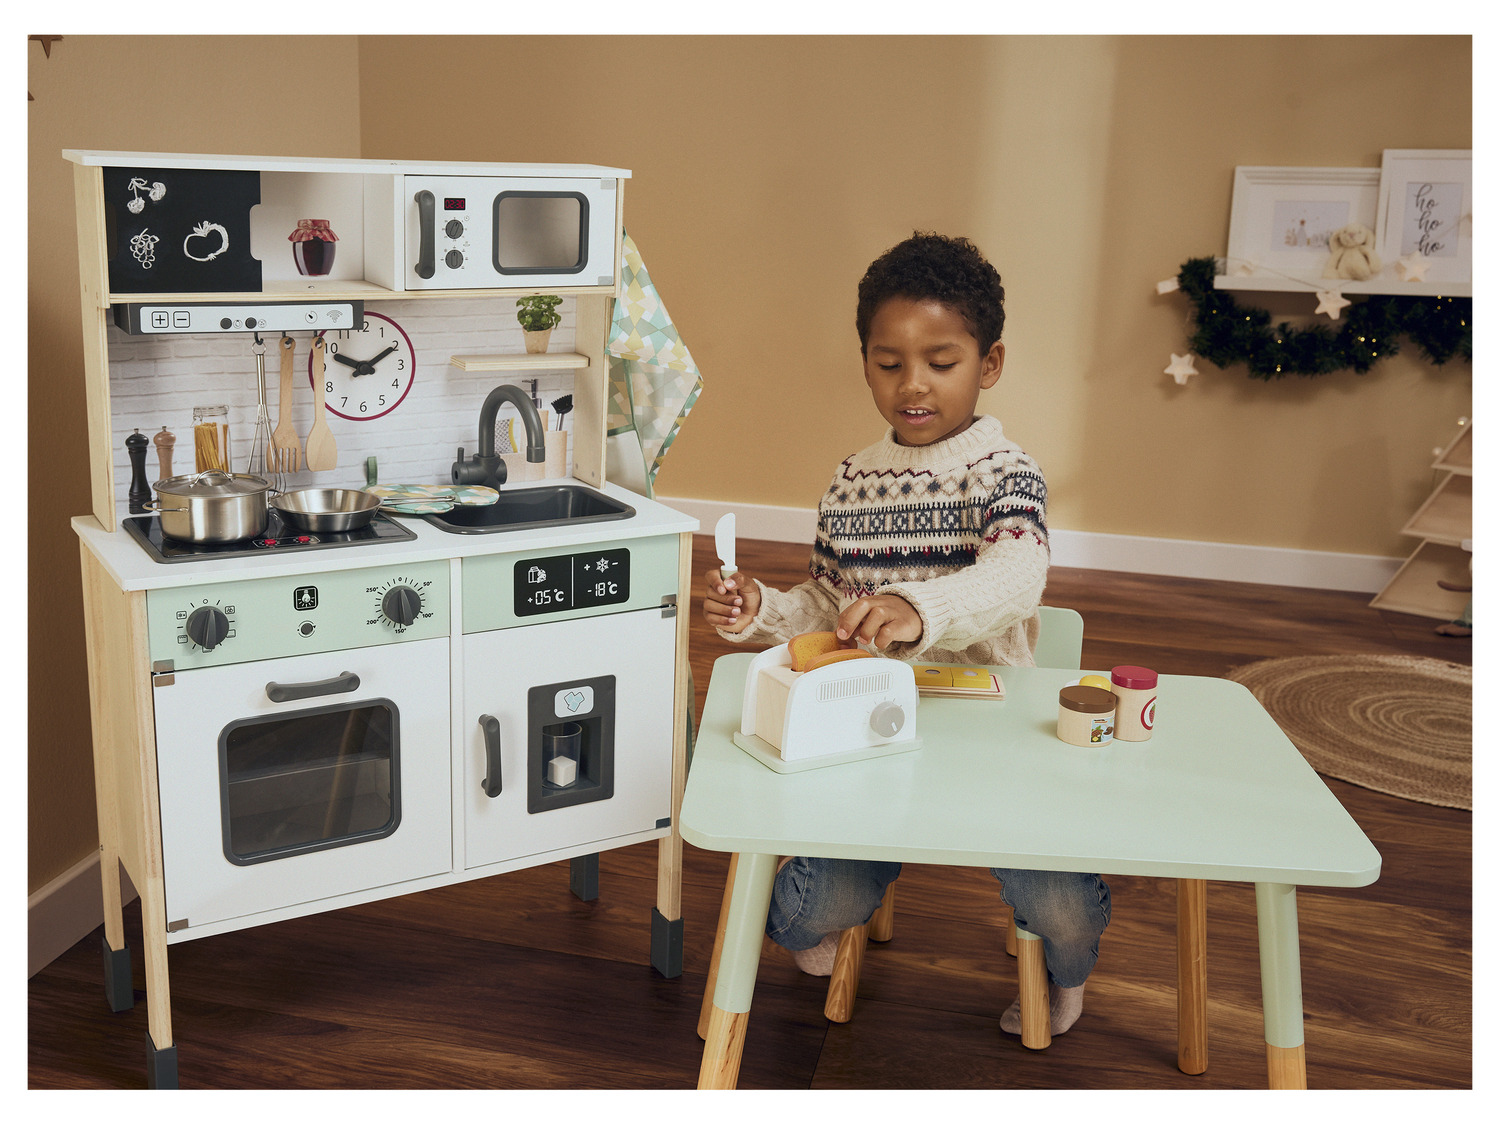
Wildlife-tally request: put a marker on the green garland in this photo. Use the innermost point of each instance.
(1229, 333)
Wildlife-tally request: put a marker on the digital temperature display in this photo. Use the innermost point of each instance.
(455, 203)
(582, 581)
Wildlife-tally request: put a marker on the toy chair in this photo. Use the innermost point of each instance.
(1059, 645)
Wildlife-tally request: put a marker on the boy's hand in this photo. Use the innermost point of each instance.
(880, 620)
(730, 603)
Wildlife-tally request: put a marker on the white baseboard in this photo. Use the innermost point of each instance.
(1092, 550)
(65, 911)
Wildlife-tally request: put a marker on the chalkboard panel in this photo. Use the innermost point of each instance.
(180, 230)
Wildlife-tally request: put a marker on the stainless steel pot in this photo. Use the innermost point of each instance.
(211, 507)
(326, 509)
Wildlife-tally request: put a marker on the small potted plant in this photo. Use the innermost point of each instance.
(538, 316)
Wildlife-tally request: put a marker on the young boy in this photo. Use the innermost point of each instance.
(931, 547)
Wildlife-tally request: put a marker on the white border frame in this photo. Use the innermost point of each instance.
(1402, 166)
(1257, 190)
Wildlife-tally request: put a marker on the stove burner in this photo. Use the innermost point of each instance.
(278, 536)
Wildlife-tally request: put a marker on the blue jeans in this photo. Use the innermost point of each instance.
(812, 898)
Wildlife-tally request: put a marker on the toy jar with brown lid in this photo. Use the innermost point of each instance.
(1085, 715)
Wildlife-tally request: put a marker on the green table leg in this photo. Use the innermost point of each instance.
(739, 959)
(1281, 985)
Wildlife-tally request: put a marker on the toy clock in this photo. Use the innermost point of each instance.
(369, 370)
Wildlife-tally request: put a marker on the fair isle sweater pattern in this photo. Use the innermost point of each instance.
(957, 528)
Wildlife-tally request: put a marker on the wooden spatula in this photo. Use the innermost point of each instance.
(322, 449)
(286, 447)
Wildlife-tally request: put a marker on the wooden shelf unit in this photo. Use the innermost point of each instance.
(1445, 525)
(522, 361)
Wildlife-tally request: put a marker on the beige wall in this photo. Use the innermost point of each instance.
(768, 172)
(275, 95)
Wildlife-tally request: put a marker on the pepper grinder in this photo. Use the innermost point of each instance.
(164, 442)
(140, 491)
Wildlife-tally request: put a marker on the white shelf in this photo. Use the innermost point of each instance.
(1311, 283)
(521, 361)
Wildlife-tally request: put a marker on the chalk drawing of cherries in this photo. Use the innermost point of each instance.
(153, 191)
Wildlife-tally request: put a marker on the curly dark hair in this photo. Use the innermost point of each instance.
(933, 267)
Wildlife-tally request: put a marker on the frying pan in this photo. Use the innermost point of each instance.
(326, 509)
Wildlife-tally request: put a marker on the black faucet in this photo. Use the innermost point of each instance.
(485, 467)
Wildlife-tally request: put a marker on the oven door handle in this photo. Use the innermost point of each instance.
(491, 728)
(285, 693)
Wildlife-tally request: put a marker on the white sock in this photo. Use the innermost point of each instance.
(818, 961)
(1066, 1006)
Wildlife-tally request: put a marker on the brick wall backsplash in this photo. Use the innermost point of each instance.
(156, 381)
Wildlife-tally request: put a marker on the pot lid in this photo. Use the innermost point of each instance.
(213, 482)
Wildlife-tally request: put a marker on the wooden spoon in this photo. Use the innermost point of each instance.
(286, 447)
(322, 449)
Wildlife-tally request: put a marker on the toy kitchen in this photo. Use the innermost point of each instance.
(311, 690)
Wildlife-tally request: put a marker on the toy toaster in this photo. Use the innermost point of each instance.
(840, 711)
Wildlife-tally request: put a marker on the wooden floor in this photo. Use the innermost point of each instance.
(512, 982)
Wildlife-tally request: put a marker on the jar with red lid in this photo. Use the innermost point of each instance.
(1135, 713)
(313, 244)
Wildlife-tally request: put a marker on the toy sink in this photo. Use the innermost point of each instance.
(842, 712)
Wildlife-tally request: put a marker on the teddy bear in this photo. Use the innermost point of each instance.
(1352, 253)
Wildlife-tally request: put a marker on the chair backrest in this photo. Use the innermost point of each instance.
(1059, 644)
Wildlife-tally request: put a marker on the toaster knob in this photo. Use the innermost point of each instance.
(887, 719)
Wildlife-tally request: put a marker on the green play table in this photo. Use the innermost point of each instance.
(1218, 792)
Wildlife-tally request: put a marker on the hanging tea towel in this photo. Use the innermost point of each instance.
(653, 382)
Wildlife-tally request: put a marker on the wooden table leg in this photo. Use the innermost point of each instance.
(739, 958)
(1281, 985)
(1192, 975)
(843, 983)
(713, 961)
(1036, 1007)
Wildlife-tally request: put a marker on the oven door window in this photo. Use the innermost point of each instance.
(541, 232)
(321, 778)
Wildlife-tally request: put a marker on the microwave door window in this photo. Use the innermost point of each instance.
(541, 232)
(318, 779)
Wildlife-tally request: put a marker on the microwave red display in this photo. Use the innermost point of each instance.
(454, 203)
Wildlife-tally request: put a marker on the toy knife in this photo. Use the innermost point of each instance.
(724, 543)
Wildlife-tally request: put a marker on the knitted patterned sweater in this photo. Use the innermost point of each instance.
(957, 528)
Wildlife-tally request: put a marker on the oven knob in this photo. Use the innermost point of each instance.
(887, 719)
(207, 627)
(401, 605)
(454, 259)
(454, 228)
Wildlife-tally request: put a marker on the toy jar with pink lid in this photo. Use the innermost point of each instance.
(313, 244)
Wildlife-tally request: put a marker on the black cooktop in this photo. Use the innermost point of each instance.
(278, 536)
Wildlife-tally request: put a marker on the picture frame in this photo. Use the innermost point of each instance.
(1426, 209)
(1280, 220)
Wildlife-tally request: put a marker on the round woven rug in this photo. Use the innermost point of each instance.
(1401, 725)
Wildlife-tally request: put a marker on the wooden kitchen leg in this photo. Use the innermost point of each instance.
(666, 916)
(744, 931)
(1192, 975)
(1281, 985)
(161, 1050)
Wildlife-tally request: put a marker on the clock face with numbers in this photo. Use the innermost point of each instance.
(368, 371)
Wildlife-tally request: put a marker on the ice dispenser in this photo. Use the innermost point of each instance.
(570, 756)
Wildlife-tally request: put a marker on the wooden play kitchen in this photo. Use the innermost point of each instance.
(320, 714)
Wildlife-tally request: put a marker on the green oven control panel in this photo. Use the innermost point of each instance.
(263, 618)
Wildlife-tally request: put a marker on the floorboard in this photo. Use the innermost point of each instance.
(513, 983)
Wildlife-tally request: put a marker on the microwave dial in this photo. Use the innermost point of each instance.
(454, 228)
(453, 259)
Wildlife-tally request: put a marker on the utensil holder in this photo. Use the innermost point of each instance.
(556, 464)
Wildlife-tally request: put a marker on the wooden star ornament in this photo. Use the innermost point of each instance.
(1331, 301)
(1181, 368)
(1412, 267)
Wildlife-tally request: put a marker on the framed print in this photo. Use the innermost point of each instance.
(1281, 218)
(1425, 227)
